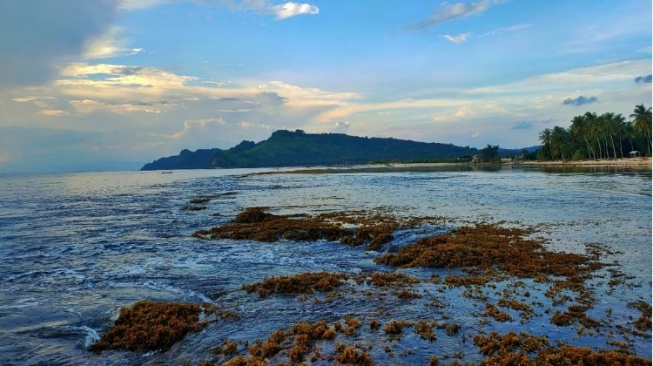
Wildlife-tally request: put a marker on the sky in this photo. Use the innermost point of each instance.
(96, 85)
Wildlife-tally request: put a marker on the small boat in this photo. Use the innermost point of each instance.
(167, 172)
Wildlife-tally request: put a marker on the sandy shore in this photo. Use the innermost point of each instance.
(631, 163)
(642, 163)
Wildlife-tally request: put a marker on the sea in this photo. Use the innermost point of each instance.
(76, 247)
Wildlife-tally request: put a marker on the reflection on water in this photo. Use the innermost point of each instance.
(77, 247)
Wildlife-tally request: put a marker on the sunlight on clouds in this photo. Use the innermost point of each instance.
(120, 75)
(31, 98)
(198, 124)
(87, 106)
(109, 44)
(52, 112)
(349, 109)
(297, 92)
(143, 83)
(248, 125)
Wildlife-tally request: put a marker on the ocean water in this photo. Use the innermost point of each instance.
(75, 248)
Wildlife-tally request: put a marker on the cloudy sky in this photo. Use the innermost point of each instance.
(115, 84)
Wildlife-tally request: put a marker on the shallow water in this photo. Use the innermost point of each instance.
(77, 247)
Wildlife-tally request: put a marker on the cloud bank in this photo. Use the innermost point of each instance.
(37, 36)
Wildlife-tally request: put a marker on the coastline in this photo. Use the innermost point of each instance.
(631, 164)
(640, 163)
(643, 163)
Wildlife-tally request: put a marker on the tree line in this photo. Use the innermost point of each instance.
(592, 136)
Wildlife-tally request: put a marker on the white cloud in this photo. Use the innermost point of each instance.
(109, 44)
(291, 9)
(513, 28)
(576, 79)
(52, 112)
(87, 106)
(297, 96)
(108, 75)
(458, 10)
(457, 39)
(281, 11)
(31, 98)
(202, 125)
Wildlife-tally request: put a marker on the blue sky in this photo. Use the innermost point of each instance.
(114, 84)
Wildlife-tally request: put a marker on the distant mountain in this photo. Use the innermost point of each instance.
(287, 148)
(507, 152)
(200, 159)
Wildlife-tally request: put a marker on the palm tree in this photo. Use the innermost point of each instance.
(610, 128)
(619, 125)
(642, 121)
(630, 133)
(545, 137)
(593, 129)
(579, 129)
(559, 141)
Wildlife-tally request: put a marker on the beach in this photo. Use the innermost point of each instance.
(639, 163)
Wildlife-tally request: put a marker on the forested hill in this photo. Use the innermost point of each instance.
(200, 159)
(287, 148)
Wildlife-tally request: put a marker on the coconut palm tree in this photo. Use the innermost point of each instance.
(559, 141)
(545, 137)
(610, 122)
(579, 129)
(642, 122)
(593, 130)
(619, 124)
(630, 133)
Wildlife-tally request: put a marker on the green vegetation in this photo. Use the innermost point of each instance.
(608, 136)
(186, 159)
(287, 148)
(490, 153)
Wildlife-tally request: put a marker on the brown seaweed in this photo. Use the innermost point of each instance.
(147, 325)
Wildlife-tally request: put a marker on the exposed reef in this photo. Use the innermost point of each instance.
(257, 224)
(506, 276)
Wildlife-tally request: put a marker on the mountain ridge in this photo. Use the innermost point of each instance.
(297, 148)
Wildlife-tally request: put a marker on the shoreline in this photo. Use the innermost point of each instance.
(640, 163)
(643, 163)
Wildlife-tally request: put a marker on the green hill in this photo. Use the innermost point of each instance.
(200, 159)
(287, 148)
